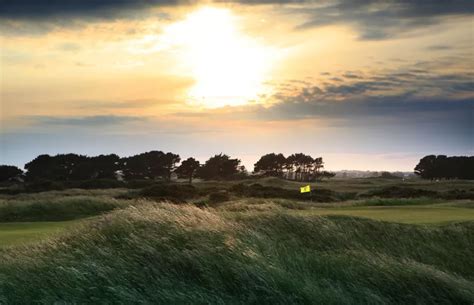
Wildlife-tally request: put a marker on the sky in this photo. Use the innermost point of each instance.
(366, 84)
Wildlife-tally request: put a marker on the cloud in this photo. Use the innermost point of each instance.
(377, 20)
(409, 94)
(69, 47)
(85, 121)
(374, 19)
(90, 9)
(128, 104)
(439, 47)
(37, 17)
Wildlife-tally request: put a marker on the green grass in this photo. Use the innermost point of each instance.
(402, 214)
(57, 208)
(360, 185)
(178, 254)
(240, 251)
(17, 233)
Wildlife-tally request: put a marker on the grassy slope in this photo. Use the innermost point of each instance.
(170, 254)
(16, 233)
(57, 206)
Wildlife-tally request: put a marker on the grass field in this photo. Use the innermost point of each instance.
(120, 249)
(413, 215)
(16, 233)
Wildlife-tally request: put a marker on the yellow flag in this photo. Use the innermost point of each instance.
(305, 189)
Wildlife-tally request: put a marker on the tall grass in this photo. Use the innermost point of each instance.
(57, 208)
(179, 254)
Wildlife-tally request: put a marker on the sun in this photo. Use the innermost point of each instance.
(228, 66)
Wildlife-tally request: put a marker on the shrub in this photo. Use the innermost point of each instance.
(43, 186)
(99, 184)
(457, 194)
(218, 197)
(258, 190)
(139, 183)
(171, 192)
(400, 192)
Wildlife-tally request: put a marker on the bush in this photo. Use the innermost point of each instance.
(171, 192)
(457, 194)
(258, 190)
(400, 192)
(43, 186)
(99, 184)
(139, 183)
(219, 197)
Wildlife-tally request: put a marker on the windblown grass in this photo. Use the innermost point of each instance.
(57, 208)
(179, 254)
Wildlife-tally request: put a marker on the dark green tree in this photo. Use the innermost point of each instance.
(270, 164)
(220, 167)
(169, 162)
(188, 169)
(443, 167)
(8, 172)
(57, 167)
(99, 167)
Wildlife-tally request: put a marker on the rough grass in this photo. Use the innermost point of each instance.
(57, 208)
(179, 254)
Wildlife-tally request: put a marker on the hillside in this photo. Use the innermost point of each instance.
(169, 254)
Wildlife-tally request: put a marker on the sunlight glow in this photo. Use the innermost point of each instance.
(229, 67)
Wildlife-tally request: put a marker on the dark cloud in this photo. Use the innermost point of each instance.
(384, 19)
(130, 104)
(85, 121)
(37, 17)
(439, 47)
(404, 95)
(351, 75)
(399, 108)
(42, 9)
(373, 18)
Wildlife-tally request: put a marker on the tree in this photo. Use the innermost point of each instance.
(169, 161)
(8, 172)
(57, 167)
(220, 167)
(426, 167)
(325, 175)
(270, 164)
(388, 175)
(318, 164)
(188, 169)
(304, 166)
(443, 167)
(149, 165)
(99, 167)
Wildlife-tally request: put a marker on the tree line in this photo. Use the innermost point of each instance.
(161, 165)
(148, 165)
(299, 167)
(444, 167)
